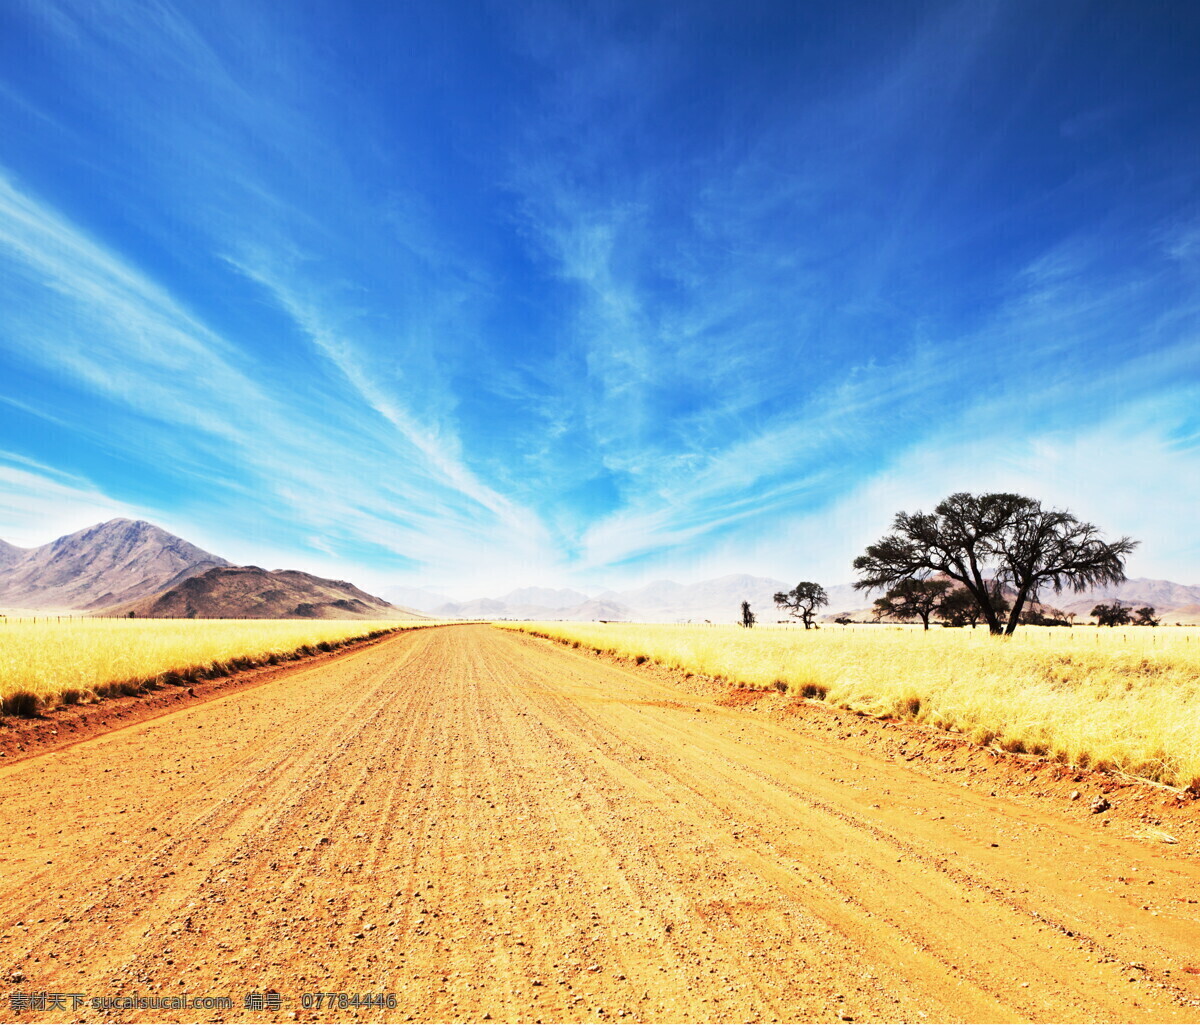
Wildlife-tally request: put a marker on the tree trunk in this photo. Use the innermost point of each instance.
(1014, 616)
(980, 591)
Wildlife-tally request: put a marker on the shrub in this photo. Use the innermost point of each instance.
(23, 704)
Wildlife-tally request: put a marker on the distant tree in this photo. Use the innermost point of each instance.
(1044, 616)
(802, 601)
(959, 608)
(912, 599)
(843, 620)
(1009, 538)
(1115, 614)
(747, 615)
(1145, 616)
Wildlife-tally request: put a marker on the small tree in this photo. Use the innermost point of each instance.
(747, 615)
(1145, 616)
(959, 608)
(912, 599)
(802, 601)
(1115, 614)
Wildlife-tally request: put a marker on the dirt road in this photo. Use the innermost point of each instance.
(486, 824)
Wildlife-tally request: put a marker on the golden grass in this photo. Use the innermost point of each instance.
(1127, 699)
(81, 660)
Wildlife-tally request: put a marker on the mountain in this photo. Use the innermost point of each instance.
(599, 608)
(9, 554)
(1164, 595)
(664, 601)
(1172, 602)
(499, 608)
(479, 608)
(1188, 615)
(545, 597)
(414, 597)
(720, 600)
(118, 561)
(248, 592)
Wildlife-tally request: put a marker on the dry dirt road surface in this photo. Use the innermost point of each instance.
(486, 824)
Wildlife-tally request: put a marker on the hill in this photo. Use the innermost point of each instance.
(249, 592)
(110, 563)
(1172, 602)
(9, 554)
(1165, 595)
(719, 600)
(545, 597)
(586, 609)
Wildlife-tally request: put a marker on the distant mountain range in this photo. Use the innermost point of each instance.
(664, 601)
(1164, 595)
(720, 601)
(131, 566)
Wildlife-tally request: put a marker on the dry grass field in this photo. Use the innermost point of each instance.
(50, 660)
(1128, 699)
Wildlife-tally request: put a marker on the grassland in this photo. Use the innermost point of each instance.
(70, 661)
(1127, 699)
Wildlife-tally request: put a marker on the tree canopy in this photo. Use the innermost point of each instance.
(913, 599)
(981, 541)
(802, 601)
(1116, 614)
(959, 607)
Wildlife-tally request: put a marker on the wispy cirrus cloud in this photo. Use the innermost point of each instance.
(581, 290)
(38, 503)
(121, 339)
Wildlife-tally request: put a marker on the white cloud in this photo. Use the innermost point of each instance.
(38, 504)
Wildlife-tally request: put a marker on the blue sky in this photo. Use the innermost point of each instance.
(475, 295)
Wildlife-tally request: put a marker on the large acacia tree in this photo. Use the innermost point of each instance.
(978, 540)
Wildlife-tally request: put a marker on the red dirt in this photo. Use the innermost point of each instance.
(740, 696)
(486, 824)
